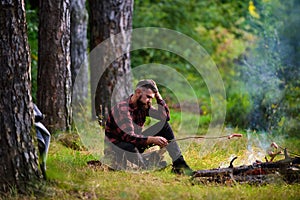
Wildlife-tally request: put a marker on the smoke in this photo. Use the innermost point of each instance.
(264, 88)
(270, 71)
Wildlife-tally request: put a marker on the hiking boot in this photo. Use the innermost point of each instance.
(180, 167)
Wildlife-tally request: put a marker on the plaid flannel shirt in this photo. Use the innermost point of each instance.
(126, 121)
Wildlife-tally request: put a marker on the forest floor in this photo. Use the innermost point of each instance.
(70, 177)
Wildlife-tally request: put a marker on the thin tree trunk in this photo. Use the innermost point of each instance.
(79, 65)
(54, 66)
(108, 18)
(18, 157)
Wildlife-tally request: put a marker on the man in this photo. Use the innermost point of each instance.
(126, 119)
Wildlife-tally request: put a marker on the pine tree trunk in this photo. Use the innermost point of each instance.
(54, 66)
(108, 18)
(18, 157)
(79, 65)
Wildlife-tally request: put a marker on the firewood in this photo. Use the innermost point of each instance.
(288, 168)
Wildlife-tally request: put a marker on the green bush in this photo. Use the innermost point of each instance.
(238, 109)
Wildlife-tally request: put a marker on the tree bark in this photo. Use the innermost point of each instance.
(54, 66)
(79, 65)
(18, 157)
(108, 18)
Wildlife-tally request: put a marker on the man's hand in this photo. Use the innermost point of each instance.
(158, 140)
(158, 96)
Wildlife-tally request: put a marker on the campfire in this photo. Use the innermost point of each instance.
(287, 169)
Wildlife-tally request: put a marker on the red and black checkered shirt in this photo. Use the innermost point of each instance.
(126, 121)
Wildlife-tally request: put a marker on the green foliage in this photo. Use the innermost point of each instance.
(270, 70)
(192, 122)
(238, 109)
(206, 22)
(251, 42)
(219, 26)
(289, 71)
(32, 32)
(290, 122)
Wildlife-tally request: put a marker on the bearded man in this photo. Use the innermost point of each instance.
(124, 126)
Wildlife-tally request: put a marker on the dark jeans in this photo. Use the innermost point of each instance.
(162, 129)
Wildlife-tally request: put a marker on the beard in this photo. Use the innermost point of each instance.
(141, 105)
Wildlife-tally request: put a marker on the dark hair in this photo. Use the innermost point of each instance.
(148, 84)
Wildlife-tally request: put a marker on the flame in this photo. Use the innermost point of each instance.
(257, 148)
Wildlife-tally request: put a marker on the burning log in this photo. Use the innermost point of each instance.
(287, 168)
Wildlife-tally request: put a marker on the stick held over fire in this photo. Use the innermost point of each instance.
(234, 135)
(207, 137)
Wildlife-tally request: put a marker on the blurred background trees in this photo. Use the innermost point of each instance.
(254, 44)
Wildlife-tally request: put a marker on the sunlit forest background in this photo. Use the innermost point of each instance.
(255, 45)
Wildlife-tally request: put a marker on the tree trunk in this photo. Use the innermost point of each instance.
(18, 157)
(54, 66)
(108, 18)
(79, 65)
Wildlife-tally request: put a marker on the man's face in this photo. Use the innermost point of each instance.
(145, 99)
